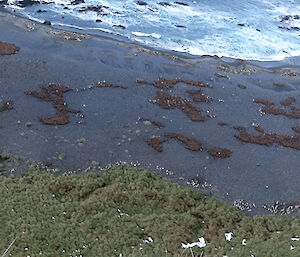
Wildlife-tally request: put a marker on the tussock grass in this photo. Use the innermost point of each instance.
(112, 213)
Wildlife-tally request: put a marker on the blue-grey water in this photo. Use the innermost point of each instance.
(246, 29)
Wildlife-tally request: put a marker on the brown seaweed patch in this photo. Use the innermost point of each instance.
(268, 139)
(110, 85)
(198, 96)
(43, 94)
(59, 89)
(262, 101)
(220, 152)
(293, 113)
(296, 129)
(240, 128)
(219, 75)
(258, 128)
(8, 105)
(8, 49)
(156, 143)
(222, 123)
(153, 122)
(190, 143)
(166, 101)
(278, 84)
(170, 83)
(59, 119)
(288, 101)
(268, 108)
(241, 86)
(54, 93)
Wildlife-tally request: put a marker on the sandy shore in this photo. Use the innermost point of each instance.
(117, 93)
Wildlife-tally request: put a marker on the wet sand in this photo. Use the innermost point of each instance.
(119, 91)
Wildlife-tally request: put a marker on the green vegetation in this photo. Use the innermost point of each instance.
(113, 213)
(7, 159)
(3, 159)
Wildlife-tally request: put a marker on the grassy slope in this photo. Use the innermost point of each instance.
(111, 213)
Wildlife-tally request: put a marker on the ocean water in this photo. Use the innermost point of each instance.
(247, 29)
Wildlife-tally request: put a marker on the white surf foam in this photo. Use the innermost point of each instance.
(237, 29)
(141, 34)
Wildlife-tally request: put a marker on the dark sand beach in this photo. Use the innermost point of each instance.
(75, 102)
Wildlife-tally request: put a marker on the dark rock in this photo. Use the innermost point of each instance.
(295, 28)
(47, 23)
(289, 28)
(165, 4)
(141, 3)
(94, 8)
(75, 2)
(119, 26)
(286, 18)
(152, 10)
(286, 28)
(98, 20)
(289, 17)
(40, 11)
(25, 3)
(181, 3)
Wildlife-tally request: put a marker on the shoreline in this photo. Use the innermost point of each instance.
(114, 122)
(285, 62)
